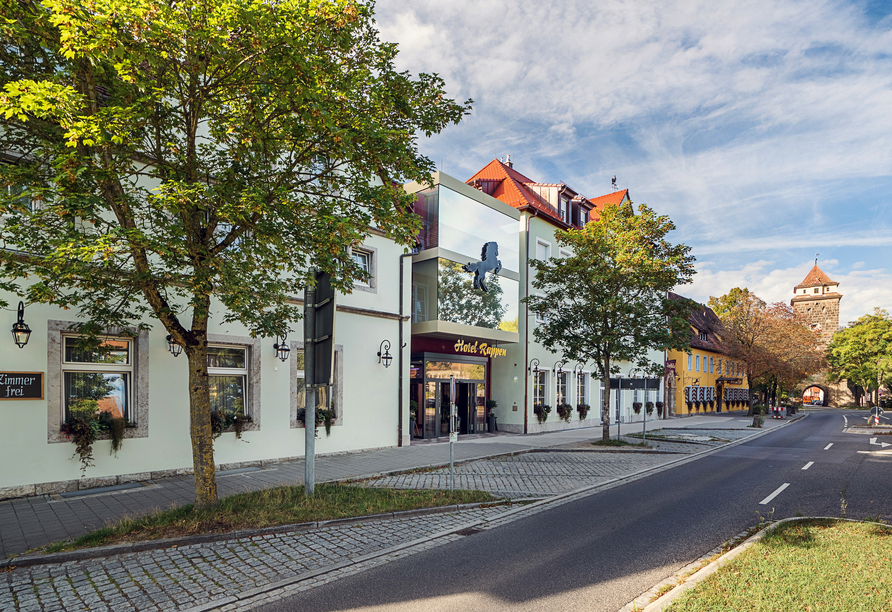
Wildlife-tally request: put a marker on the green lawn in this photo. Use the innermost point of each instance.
(268, 508)
(809, 566)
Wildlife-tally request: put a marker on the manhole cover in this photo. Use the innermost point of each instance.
(468, 531)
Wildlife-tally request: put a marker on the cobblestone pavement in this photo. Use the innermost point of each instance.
(238, 574)
(527, 475)
(187, 576)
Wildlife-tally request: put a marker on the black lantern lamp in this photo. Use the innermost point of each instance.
(282, 350)
(20, 330)
(384, 355)
(578, 369)
(534, 366)
(558, 367)
(174, 347)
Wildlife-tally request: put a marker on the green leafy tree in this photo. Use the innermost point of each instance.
(608, 302)
(459, 302)
(179, 157)
(862, 352)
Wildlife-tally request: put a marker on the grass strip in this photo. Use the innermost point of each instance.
(617, 442)
(268, 508)
(811, 565)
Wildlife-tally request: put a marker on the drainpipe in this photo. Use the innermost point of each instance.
(526, 332)
(402, 351)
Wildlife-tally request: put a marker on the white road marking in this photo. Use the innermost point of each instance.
(828, 446)
(846, 419)
(808, 465)
(775, 494)
(880, 444)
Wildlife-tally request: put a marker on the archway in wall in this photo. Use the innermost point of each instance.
(816, 395)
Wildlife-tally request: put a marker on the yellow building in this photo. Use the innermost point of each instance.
(704, 379)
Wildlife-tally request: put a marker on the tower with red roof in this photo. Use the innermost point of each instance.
(817, 298)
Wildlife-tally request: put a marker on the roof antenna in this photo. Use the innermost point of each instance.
(816, 258)
(613, 183)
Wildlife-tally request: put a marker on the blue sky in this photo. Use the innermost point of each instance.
(763, 129)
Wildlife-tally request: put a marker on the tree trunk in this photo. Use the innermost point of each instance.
(605, 404)
(200, 426)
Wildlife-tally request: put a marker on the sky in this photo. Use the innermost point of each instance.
(763, 129)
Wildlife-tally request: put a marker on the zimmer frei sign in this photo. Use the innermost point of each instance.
(479, 348)
(21, 385)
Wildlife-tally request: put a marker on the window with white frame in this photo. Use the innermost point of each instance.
(564, 210)
(97, 378)
(562, 384)
(541, 317)
(581, 388)
(363, 259)
(583, 217)
(540, 381)
(636, 395)
(228, 379)
(697, 364)
(543, 250)
(711, 365)
(719, 368)
(690, 362)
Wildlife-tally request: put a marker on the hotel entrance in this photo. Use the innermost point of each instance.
(431, 393)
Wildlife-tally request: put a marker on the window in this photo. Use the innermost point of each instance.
(711, 365)
(583, 217)
(581, 388)
(539, 382)
(228, 379)
(543, 250)
(719, 369)
(565, 254)
(816, 289)
(636, 395)
(366, 259)
(97, 379)
(702, 335)
(562, 378)
(419, 303)
(327, 398)
(690, 362)
(697, 368)
(564, 210)
(541, 317)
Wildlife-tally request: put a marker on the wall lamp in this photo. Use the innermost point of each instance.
(20, 330)
(558, 367)
(384, 355)
(578, 368)
(174, 347)
(534, 366)
(282, 350)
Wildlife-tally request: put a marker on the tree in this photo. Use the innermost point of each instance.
(608, 302)
(459, 302)
(862, 352)
(174, 156)
(774, 343)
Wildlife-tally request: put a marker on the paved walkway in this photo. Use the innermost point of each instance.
(36, 521)
(237, 574)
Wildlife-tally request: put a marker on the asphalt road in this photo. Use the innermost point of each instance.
(602, 551)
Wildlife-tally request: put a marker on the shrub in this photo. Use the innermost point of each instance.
(542, 411)
(565, 411)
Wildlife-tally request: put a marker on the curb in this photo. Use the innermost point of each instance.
(117, 549)
(694, 579)
(120, 549)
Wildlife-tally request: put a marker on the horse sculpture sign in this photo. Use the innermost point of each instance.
(488, 263)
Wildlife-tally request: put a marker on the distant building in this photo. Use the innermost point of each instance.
(817, 299)
(705, 378)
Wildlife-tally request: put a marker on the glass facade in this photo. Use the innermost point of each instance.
(442, 290)
(431, 389)
(458, 223)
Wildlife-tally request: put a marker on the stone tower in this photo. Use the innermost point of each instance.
(817, 299)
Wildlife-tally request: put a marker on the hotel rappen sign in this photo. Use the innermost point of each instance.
(479, 348)
(21, 385)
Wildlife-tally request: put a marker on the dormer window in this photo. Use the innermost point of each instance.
(702, 335)
(564, 210)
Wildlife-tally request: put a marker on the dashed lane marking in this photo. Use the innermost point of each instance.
(808, 465)
(777, 492)
(828, 446)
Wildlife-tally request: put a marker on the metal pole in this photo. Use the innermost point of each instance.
(451, 433)
(619, 408)
(644, 427)
(310, 403)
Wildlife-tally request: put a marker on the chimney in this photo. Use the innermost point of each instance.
(507, 161)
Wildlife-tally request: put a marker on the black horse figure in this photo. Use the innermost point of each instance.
(487, 263)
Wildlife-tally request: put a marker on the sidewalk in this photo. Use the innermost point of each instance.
(35, 521)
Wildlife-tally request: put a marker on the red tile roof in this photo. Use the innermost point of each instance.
(816, 278)
(513, 190)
